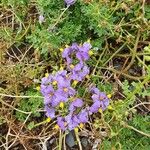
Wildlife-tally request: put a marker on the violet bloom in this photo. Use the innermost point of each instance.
(64, 87)
(79, 72)
(59, 98)
(70, 2)
(75, 104)
(41, 19)
(50, 111)
(46, 86)
(83, 53)
(72, 121)
(61, 82)
(93, 89)
(66, 91)
(49, 98)
(100, 99)
(69, 52)
(61, 123)
(83, 116)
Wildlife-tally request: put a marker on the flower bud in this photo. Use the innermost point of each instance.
(48, 119)
(46, 74)
(90, 53)
(61, 105)
(109, 95)
(76, 130)
(100, 110)
(56, 127)
(38, 88)
(61, 49)
(81, 125)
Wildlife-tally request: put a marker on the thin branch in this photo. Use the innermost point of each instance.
(141, 132)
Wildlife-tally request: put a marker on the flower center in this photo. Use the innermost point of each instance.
(51, 94)
(65, 89)
(101, 98)
(65, 124)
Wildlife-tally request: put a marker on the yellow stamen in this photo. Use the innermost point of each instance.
(48, 119)
(65, 89)
(76, 130)
(56, 127)
(81, 125)
(46, 74)
(71, 66)
(54, 82)
(61, 49)
(38, 88)
(89, 40)
(101, 98)
(109, 95)
(65, 123)
(100, 110)
(90, 52)
(110, 107)
(61, 105)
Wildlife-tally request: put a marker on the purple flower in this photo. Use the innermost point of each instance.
(75, 104)
(66, 91)
(69, 52)
(95, 107)
(41, 19)
(59, 98)
(61, 123)
(69, 2)
(83, 53)
(79, 72)
(94, 90)
(100, 100)
(45, 90)
(50, 111)
(72, 121)
(61, 79)
(46, 86)
(83, 116)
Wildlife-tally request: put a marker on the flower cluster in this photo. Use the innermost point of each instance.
(60, 97)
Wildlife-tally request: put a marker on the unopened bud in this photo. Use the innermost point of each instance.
(48, 119)
(46, 74)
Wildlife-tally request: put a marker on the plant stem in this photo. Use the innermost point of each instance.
(60, 140)
(78, 140)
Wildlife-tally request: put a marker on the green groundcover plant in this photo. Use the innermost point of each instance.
(92, 70)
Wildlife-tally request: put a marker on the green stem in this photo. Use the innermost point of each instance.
(114, 54)
(133, 52)
(78, 140)
(60, 140)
